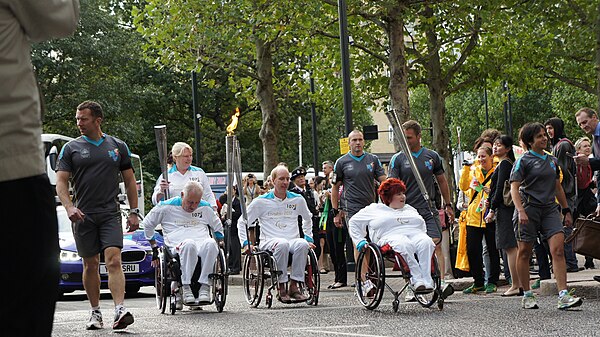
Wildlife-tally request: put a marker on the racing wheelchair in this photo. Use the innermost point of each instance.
(373, 258)
(168, 281)
(260, 270)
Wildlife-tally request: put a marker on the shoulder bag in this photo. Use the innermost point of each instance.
(506, 196)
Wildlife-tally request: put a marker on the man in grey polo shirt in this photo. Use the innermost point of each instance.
(95, 161)
(429, 165)
(357, 171)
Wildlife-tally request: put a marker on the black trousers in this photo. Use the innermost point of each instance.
(28, 211)
(475, 253)
(336, 240)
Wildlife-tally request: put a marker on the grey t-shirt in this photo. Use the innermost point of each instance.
(358, 175)
(95, 168)
(429, 165)
(537, 174)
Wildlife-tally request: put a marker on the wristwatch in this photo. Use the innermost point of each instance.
(448, 205)
(335, 211)
(564, 211)
(135, 211)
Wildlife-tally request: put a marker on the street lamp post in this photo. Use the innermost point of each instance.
(344, 45)
(197, 118)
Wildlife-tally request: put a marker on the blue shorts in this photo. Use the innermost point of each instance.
(542, 219)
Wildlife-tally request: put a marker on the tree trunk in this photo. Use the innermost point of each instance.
(266, 98)
(398, 86)
(437, 104)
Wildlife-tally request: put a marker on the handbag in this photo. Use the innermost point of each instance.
(586, 237)
(506, 196)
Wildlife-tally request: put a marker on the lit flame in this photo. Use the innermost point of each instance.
(234, 122)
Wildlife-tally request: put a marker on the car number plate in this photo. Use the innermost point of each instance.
(131, 268)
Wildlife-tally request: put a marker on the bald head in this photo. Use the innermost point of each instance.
(281, 180)
(356, 141)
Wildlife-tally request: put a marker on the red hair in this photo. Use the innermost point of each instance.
(389, 188)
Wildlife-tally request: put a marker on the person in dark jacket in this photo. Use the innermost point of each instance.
(564, 150)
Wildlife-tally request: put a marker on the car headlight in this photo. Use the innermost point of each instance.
(69, 256)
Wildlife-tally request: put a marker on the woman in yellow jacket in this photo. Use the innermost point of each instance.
(473, 183)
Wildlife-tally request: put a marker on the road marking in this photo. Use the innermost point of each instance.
(321, 330)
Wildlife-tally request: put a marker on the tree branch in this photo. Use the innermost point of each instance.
(569, 80)
(465, 53)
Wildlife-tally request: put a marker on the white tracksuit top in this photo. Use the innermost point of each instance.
(385, 222)
(178, 225)
(278, 218)
(178, 180)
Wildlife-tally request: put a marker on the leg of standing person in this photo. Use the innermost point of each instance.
(315, 233)
(570, 257)
(322, 258)
(336, 239)
(33, 200)
(447, 272)
(486, 259)
(494, 263)
(541, 256)
(474, 253)
(235, 252)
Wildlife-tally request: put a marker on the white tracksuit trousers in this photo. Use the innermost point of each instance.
(281, 249)
(407, 246)
(189, 251)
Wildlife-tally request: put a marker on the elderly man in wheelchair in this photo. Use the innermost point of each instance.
(397, 228)
(278, 212)
(186, 223)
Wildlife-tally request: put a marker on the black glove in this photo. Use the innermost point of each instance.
(154, 253)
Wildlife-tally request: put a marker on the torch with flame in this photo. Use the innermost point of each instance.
(234, 122)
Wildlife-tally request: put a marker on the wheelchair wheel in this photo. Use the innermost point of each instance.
(220, 282)
(427, 300)
(312, 278)
(375, 273)
(252, 278)
(162, 287)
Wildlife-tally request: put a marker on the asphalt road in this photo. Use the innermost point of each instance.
(338, 313)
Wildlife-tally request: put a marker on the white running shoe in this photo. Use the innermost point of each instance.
(188, 295)
(95, 321)
(568, 301)
(204, 294)
(529, 301)
(123, 318)
(410, 296)
(367, 286)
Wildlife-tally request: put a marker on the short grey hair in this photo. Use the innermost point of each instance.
(192, 187)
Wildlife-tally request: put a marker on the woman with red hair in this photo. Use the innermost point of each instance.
(399, 225)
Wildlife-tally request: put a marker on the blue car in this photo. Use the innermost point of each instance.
(136, 257)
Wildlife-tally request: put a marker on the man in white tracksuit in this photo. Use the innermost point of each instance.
(185, 222)
(278, 213)
(399, 225)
